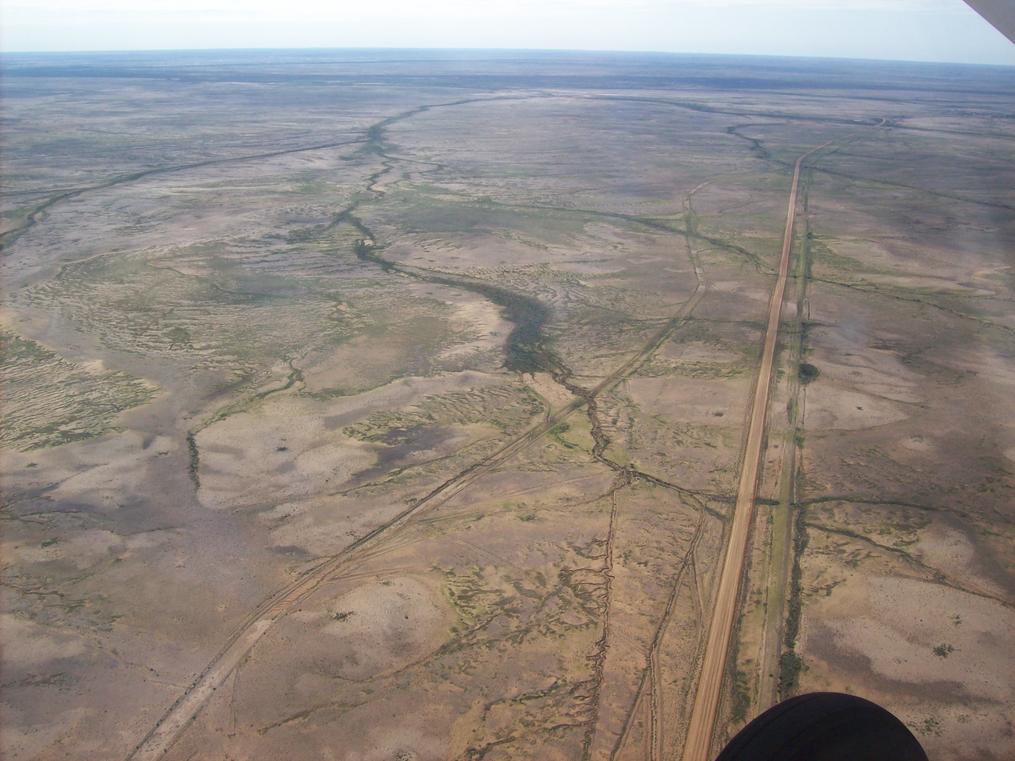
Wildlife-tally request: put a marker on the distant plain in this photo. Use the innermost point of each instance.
(397, 399)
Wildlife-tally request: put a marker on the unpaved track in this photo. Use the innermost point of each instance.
(33, 218)
(650, 685)
(169, 727)
(713, 666)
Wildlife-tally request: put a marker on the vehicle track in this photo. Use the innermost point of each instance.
(629, 473)
(370, 138)
(705, 108)
(713, 667)
(36, 215)
(165, 732)
(649, 676)
(603, 645)
(169, 727)
(781, 553)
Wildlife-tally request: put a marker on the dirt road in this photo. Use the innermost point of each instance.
(172, 723)
(706, 699)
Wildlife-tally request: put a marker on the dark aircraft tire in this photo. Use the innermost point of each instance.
(824, 726)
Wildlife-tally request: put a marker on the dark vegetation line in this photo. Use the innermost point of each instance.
(876, 290)
(626, 475)
(939, 577)
(874, 502)
(43, 192)
(194, 460)
(789, 662)
(757, 147)
(917, 188)
(530, 351)
(659, 224)
(964, 132)
(693, 106)
(759, 150)
(37, 214)
(527, 350)
(602, 647)
(674, 80)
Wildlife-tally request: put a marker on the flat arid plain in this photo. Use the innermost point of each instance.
(393, 405)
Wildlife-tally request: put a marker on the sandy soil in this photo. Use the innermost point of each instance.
(464, 492)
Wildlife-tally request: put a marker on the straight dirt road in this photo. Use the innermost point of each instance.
(713, 667)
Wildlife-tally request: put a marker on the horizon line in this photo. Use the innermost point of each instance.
(127, 51)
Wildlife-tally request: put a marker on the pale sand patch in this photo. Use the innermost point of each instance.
(992, 274)
(84, 549)
(405, 390)
(945, 273)
(358, 362)
(686, 399)
(418, 734)
(844, 356)
(292, 448)
(831, 407)
(930, 284)
(108, 469)
(465, 251)
(28, 645)
(952, 553)
(982, 359)
(324, 525)
(345, 410)
(868, 252)
(894, 624)
(547, 388)
(597, 253)
(381, 626)
(740, 289)
(94, 366)
(858, 372)
(485, 320)
(281, 451)
(697, 351)
(918, 444)
(27, 736)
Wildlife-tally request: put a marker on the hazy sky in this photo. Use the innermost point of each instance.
(934, 30)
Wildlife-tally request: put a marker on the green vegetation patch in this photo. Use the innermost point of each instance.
(243, 307)
(49, 400)
(790, 666)
(808, 372)
(507, 407)
(421, 210)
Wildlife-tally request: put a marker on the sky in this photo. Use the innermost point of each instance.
(915, 30)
